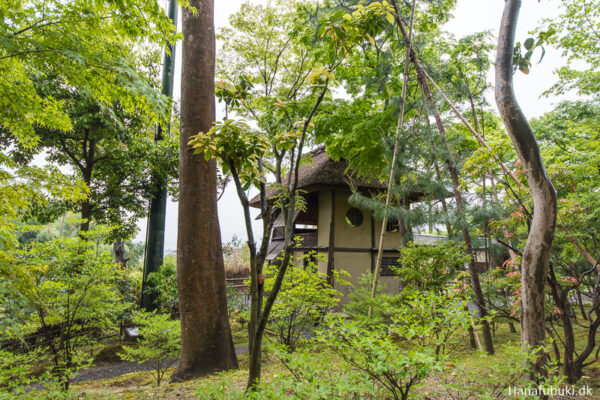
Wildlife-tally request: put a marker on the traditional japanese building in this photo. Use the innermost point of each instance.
(349, 236)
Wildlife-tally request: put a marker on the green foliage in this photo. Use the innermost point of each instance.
(576, 31)
(66, 285)
(111, 151)
(429, 319)
(20, 378)
(15, 373)
(316, 377)
(430, 267)
(88, 44)
(360, 301)
(304, 299)
(522, 59)
(362, 25)
(416, 318)
(374, 352)
(502, 287)
(236, 146)
(24, 189)
(159, 343)
(164, 284)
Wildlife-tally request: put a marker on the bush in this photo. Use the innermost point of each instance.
(18, 378)
(69, 292)
(430, 320)
(305, 297)
(374, 352)
(163, 283)
(316, 375)
(311, 377)
(159, 344)
(429, 267)
(360, 301)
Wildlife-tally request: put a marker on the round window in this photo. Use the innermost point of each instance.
(354, 217)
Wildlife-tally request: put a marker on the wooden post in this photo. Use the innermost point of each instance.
(372, 243)
(331, 248)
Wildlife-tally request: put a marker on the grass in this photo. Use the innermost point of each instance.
(466, 374)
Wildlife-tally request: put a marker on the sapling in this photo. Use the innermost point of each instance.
(159, 343)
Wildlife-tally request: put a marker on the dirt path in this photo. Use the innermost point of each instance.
(113, 370)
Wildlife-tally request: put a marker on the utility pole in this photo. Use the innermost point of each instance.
(155, 233)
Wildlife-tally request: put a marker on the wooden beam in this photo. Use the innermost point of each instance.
(331, 249)
(372, 242)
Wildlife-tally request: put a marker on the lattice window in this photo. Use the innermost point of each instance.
(388, 264)
(393, 226)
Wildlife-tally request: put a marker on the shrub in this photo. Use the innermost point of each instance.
(159, 344)
(374, 352)
(69, 289)
(429, 267)
(430, 320)
(163, 283)
(305, 297)
(16, 373)
(360, 302)
(316, 375)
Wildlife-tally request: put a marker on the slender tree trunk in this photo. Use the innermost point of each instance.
(578, 295)
(536, 255)
(450, 163)
(206, 342)
(471, 331)
(580, 303)
(560, 297)
(157, 214)
(119, 251)
(458, 196)
(86, 216)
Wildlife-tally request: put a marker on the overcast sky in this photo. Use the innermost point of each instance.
(470, 16)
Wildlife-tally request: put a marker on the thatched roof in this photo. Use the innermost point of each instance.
(321, 172)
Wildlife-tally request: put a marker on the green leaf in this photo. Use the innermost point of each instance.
(529, 43)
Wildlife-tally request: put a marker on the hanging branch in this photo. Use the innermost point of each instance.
(477, 136)
(395, 157)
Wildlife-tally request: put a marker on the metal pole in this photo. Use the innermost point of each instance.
(155, 234)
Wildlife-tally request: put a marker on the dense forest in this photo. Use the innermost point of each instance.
(406, 230)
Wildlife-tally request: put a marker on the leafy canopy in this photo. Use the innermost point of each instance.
(86, 43)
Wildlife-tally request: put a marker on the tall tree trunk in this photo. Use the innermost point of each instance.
(536, 255)
(206, 342)
(155, 234)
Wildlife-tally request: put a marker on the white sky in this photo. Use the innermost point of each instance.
(470, 16)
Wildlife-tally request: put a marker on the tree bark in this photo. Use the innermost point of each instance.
(536, 255)
(206, 342)
(119, 251)
(86, 216)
